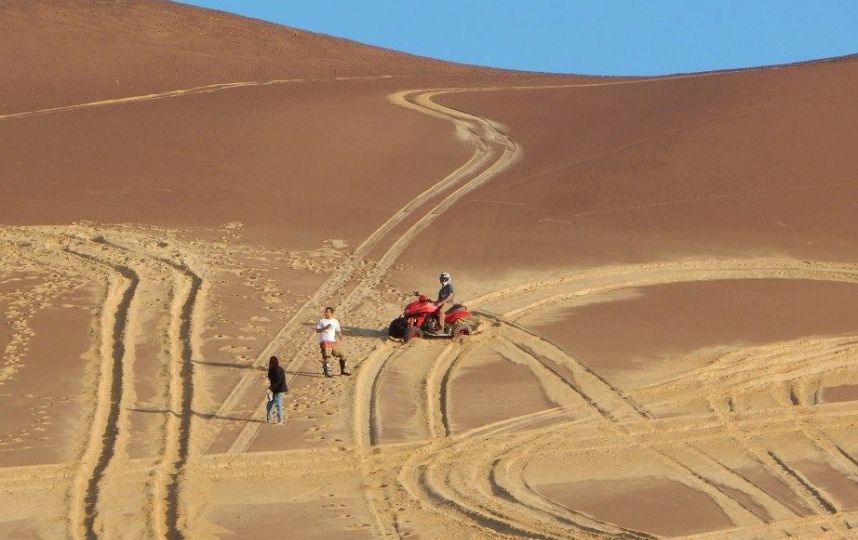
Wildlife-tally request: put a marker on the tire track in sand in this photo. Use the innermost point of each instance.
(178, 454)
(123, 283)
(435, 481)
(107, 434)
(128, 271)
(181, 92)
(800, 485)
(172, 459)
(439, 477)
(779, 269)
(186, 287)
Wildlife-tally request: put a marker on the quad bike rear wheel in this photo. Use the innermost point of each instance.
(460, 328)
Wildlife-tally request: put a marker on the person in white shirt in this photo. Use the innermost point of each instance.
(329, 329)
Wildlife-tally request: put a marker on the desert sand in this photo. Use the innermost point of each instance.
(664, 270)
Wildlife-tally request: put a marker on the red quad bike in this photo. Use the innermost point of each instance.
(419, 320)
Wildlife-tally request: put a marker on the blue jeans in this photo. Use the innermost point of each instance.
(275, 401)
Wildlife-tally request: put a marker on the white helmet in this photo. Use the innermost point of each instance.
(444, 277)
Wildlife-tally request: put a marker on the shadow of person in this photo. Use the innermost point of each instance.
(364, 332)
(230, 365)
(207, 416)
(303, 373)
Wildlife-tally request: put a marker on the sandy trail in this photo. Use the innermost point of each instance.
(180, 93)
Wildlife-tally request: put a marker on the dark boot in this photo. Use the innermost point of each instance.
(326, 367)
(343, 369)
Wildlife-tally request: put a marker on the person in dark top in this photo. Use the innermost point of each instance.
(446, 295)
(278, 388)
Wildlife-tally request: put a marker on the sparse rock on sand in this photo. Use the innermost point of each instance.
(664, 267)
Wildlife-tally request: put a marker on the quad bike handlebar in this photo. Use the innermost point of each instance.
(421, 297)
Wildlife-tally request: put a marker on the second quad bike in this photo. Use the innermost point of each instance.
(420, 319)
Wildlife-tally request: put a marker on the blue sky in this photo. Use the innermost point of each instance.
(608, 37)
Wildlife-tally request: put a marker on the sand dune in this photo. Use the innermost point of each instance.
(663, 269)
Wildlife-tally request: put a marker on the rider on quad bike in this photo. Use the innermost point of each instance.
(425, 317)
(446, 296)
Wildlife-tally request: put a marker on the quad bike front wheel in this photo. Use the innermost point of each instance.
(412, 332)
(398, 328)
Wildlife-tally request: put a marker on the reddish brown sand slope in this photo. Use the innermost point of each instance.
(728, 163)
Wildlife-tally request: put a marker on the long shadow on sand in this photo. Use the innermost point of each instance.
(228, 365)
(365, 332)
(199, 415)
(261, 369)
(303, 373)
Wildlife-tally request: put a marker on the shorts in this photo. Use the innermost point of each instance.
(330, 349)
